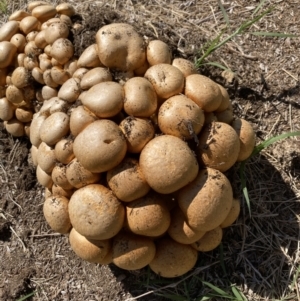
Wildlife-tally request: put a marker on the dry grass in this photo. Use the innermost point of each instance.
(260, 254)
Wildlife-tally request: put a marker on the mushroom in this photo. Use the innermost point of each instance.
(168, 164)
(95, 212)
(120, 47)
(207, 200)
(172, 259)
(158, 52)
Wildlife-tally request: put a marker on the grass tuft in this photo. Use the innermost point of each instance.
(3, 6)
(26, 297)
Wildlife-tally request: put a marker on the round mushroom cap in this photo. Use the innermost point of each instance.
(232, 215)
(246, 136)
(90, 250)
(120, 47)
(209, 241)
(148, 216)
(132, 252)
(168, 164)
(158, 52)
(218, 146)
(207, 200)
(62, 50)
(127, 180)
(100, 146)
(140, 97)
(138, 132)
(166, 79)
(203, 91)
(56, 214)
(180, 230)
(173, 259)
(7, 53)
(181, 117)
(95, 212)
(186, 67)
(8, 29)
(104, 99)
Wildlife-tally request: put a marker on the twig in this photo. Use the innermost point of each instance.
(22, 243)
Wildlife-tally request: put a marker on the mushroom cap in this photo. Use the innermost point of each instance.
(138, 132)
(127, 180)
(56, 214)
(158, 52)
(203, 91)
(148, 215)
(186, 67)
(232, 215)
(180, 230)
(140, 97)
(181, 117)
(218, 146)
(89, 249)
(172, 259)
(132, 252)
(100, 146)
(207, 200)
(246, 136)
(95, 212)
(120, 47)
(7, 53)
(8, 29)
(168, 164)
(104, 99)
(166, 79)
(209, 241)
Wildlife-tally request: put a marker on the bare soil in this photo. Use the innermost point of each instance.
(260, 254)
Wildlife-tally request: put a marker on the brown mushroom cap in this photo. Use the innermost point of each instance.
(127, 180)
(218, 146)
(172, 259)
(8, 29)
(95, 76)
(138, 132)
(179, 229)
(56, 213)
(132, 252)
(148, 215)
(186, 67)
(168, 164)
(158, 52)
(89, 58)
(15, 127)
(181, 117)
(246, 136)
(166, 79)
(46, 157)
(209, 241)
(100, 146)
(104, 99)
(95, 212)
(64, 151)
(65, 9)
(89, 249)
(232, 215)
(29, 24)
(140, 97)
(207, 200)
(62, 50)
(6, 109)
(80, 118)
(120, 47)
(56, 31)
(54, 128)
(7, 53)
(203, 91)
(78, 176)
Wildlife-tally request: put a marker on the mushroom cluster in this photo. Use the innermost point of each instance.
(130, 144)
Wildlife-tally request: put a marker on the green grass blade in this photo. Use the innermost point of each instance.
(237, 294)
(225, 16)
(272, 140)
(295, 279)
(259, 6)
(244, 186)
(216, 289)
(26, 297)
(273, 34)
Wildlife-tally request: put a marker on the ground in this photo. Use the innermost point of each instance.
(260, 254)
